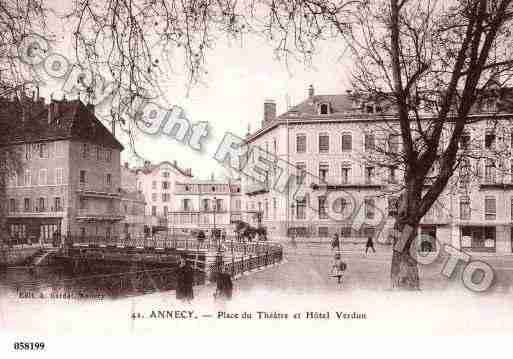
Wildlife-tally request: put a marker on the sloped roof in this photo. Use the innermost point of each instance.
(72, 121)
(152, 167)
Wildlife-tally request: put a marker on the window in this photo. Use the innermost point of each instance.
(186, 204)
(166, 197)
(465, 208)
(324, 143)
(323, 171)
(85, 150)
(489, 171)
(27, 180)
(12, 205)
(165, 211)
(347, 141)
(489, 139)
(300, 173)
(99, 153)
(369, 174)
(109, 179)
(465, 140)
(301, 143)
(59, 176)
(369, 142)
(154, 197)
(154, 184)
(275, 207)
(323, 214)
(340, 205)
(165, 174)
(41, 204)
(108, 155)
(465, 171)
(490, 208)
(165, 185)
(153, 210)
(28, 150)
(57, 205)
(511, 212)
(393, 143)
(369, 208)
(238, 205)
(345, 174)
(392, 178)
(266, 209)
(206, 204)
(393, 206)
(324, 109)
(43, 150)
(26, 205)
(301, 208)
(219, 205)
(43, 177)
(82, 176)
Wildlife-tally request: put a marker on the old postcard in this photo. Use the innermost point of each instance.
(269, 167)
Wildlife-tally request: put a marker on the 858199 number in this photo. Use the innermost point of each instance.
(29, 346)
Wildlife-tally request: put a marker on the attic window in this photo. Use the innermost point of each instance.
(369, 109)
(324, 109)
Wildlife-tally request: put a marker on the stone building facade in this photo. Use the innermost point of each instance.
(330, 149)
(69, 180)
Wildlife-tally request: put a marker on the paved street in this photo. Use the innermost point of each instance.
(306, 269)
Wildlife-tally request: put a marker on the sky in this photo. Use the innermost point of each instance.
(231, 96)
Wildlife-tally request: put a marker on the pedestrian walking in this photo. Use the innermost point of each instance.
(338, 267)
(369, 244)
(184, 281)
(224, 288)
(335, 243)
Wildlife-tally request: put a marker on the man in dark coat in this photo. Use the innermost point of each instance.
(184, 281)
(369, 244)
(224, 285)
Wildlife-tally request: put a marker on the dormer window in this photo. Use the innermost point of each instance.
(369, 108)
(324, 109)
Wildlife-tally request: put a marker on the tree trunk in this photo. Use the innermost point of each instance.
(404, 271)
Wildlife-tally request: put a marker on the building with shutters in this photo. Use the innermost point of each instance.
(69, 179)
(328, 150)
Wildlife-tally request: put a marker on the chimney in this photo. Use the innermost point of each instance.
(269, 111)
(311, 91)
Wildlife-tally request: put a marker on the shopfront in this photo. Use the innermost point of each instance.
(478, 238)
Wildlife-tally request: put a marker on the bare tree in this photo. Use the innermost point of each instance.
(18, 19)
(431, 62)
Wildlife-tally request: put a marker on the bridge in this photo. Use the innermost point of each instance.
(208, 255)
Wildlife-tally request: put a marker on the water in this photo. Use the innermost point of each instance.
(95, 281)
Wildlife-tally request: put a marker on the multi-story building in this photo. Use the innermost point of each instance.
(326, 147)
(209, 204)
(157, 183)
(69, 179)
(132, 207)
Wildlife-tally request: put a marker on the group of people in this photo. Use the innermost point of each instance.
(185, 282)
(338, 267)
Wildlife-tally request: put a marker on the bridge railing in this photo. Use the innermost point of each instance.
(229, 244)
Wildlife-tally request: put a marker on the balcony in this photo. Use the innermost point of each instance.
(54, 212)
(99, 191)
(256, 188)
(334, 183)
(89, 215)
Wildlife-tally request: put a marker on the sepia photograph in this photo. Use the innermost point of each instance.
(254, 167)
